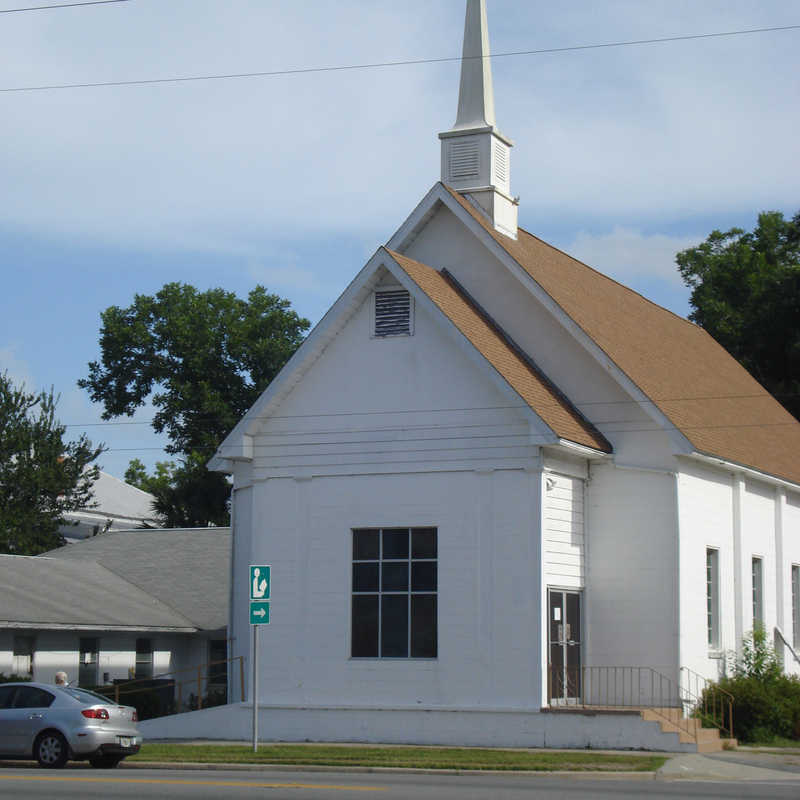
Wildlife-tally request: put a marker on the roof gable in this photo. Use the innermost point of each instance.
(548, 405)
(701, 390)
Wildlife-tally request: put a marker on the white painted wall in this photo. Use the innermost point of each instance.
(791, 556)
(631, 596)
(488, 568)
(407, 403)
(404, 726)
(563, 531)
(705, 498)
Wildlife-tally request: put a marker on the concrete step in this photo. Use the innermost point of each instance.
(689, 730)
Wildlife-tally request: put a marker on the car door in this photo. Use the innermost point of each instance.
(26, 717)
(7, 692)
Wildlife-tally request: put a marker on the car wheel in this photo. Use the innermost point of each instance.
(51, 750)
(105, 762)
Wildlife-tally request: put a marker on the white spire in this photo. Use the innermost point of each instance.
(476, 95)
(476, 157)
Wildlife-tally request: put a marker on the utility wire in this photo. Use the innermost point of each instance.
(382, 64)
(62, 5)
(643, 404)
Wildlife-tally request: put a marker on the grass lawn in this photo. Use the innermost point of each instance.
(417, 757)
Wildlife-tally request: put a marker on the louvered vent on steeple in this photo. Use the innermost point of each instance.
(393, 313)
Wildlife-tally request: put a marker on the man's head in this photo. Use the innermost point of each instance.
(61, 678)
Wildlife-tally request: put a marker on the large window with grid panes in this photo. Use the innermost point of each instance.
(394, 593)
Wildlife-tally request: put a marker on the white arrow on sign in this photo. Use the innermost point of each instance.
(260, 613)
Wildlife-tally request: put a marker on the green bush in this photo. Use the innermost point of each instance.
(763, 709)
(766, 703)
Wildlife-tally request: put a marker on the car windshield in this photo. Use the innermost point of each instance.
(85, 696)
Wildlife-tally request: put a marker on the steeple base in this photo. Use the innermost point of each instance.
(501, 210)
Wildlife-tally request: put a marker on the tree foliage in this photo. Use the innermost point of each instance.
(202, 359)
(42, 476)
(746, 294)
(186, 495)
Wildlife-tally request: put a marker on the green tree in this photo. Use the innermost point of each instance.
(186, 495)
(202, 358)
(137, 475)
(746, 294)
(42, 476)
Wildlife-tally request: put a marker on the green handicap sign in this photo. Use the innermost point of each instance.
(259, 612)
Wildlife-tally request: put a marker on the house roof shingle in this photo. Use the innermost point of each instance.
(703, 391)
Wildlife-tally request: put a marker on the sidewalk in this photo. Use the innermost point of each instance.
(743, 764)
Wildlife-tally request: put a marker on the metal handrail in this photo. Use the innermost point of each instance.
(708, 701)
(786, 643)
(616, 687)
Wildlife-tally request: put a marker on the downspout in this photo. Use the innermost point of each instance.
(678, 573)
(231, 637)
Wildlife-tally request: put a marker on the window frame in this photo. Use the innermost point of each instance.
(712, 600)
(410, 593)
(757, 581)
(795, 579)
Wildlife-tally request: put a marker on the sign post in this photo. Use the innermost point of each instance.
(259, 591)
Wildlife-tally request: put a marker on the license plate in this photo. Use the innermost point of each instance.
(124, 741)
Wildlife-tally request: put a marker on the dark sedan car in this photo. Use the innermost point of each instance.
(56, 723)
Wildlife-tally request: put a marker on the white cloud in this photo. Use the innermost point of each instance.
(628, 255)
(18, 370)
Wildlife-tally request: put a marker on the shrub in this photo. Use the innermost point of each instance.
(766, 703)
(14, 678)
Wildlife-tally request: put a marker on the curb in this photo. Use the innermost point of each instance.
(242, 767)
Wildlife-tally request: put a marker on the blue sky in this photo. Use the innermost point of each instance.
(623, 156)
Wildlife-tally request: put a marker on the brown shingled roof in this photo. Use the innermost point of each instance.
(709, 397)
(530, 385)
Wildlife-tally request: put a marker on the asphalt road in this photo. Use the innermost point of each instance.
(86, 784)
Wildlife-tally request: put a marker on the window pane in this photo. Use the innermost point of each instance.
(6, 693)
(394, 626)
(365, 626)
(423, 576)
(395, 543)
(423, 626)
(365, 544)
(365, 577)
(395, 577)
(423, 543)
(31, 697)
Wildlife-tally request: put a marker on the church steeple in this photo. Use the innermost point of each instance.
(476, 157)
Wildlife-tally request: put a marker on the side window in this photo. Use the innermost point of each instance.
(6, 696)
(32, 697)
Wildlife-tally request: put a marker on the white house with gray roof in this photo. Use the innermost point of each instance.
(116, 506)
(123, 604)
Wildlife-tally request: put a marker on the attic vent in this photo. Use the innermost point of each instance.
(392, 313)
(464, 160)
(501, 164)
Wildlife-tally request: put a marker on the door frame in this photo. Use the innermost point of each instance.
(565, 699)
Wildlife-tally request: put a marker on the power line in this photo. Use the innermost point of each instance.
(643, 404)
(62, 5)
(385, 64)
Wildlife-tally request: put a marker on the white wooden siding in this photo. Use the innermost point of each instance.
(563, 531)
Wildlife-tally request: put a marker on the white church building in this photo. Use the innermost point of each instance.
(492, 479)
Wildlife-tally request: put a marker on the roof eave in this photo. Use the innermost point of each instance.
(732, 466)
